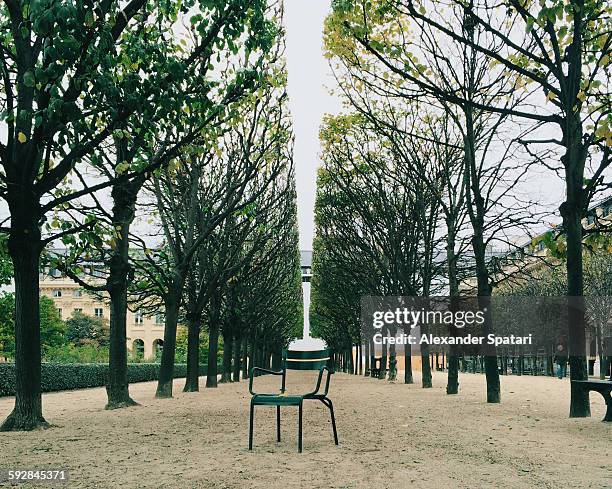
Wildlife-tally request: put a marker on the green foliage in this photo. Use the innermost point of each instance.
(82, 329)
(181, 346)
(57, 377)
(6, 266)
(69, 353)
(7, 325)
(52, 328)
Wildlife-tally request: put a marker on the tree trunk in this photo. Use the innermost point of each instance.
(383, 360)
(452, 386)
(246, 365)
(571, 212)
(452, 381)
(117, 389)
(237, 357)
(166, 369)
(192, 381)
(213, 339)
(226, 370)
(476, 210)
(392, 363)
(484, 299)
(426, 366)
(408, 379)
(124, 196)
(484, 304)
(254, 352)
(277, 359)
(25, 247)
(213, 347)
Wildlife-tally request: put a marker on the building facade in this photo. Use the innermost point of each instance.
(144, 333)
(525, 260)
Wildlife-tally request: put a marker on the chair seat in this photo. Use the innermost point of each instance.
(277, 399)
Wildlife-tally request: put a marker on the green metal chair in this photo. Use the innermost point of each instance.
(294, 360)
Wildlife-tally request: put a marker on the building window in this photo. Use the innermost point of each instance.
(77, 293)
(59, 312)
(78, 309)
(158, 347)
(159, 318)
(98, 312)
(57, 293)
(138, 348)
(138, 317)
(54, 272)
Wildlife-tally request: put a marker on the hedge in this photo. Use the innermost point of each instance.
(67, 376)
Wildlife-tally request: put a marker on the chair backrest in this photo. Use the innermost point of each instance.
(305, 360)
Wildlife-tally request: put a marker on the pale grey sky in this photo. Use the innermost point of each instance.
(309, 99)
(309, 79)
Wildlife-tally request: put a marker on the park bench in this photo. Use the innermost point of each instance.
(294, 360)
(604, 387)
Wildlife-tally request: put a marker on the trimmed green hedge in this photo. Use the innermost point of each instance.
(67, 376)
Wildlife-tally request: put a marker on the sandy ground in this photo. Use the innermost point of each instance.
(391, 435)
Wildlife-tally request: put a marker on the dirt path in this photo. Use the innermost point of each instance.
(390, 436)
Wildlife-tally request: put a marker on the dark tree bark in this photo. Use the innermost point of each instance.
(476, 211)
(452, 384)
(408, 379)
(124, 196)
(226, 368)
(572, 211)
(246, 365)
(392, 363)
(426, 367)
(192, 381)
(213, 339)
(25, 247)
(213, 347)
(117, 389)
(237, 357)
(166, 370)
(277, 359)
(383, 362)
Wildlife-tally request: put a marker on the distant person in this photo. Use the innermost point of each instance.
(561, 360)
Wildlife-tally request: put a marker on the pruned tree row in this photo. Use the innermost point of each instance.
(455, 110)
(122, 118)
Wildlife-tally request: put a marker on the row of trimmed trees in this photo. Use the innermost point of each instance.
(127, 117)
(456, 109)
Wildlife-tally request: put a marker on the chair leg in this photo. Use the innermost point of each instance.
(327, 401)
(300, 429)
(278, 438)
(251, 425)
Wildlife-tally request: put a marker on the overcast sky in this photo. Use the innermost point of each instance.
(309, 82)
(309, 99)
